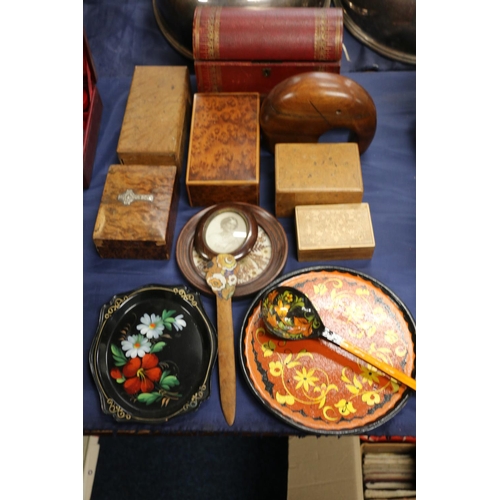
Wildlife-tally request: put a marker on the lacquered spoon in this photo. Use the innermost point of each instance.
(289, 314)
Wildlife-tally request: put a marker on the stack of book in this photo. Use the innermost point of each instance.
(390, 474)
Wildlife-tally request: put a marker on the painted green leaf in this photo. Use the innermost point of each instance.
(158, 347)
(118, 356)
(166, 314)
(168, 382)
(115, 350)
(149, 398)
(121, 380)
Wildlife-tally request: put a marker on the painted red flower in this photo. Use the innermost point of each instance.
(116, 373)
(141, 373)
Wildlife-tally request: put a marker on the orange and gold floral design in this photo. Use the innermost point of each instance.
(313, 383)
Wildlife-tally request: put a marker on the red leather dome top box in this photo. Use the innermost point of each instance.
(252, 49)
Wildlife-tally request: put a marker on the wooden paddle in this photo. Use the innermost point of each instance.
(222, 280)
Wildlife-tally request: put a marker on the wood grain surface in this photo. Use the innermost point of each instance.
(156, 120)
(224, 149)
(222, 278)
(142, 229)
(304, 107)
(316, 174)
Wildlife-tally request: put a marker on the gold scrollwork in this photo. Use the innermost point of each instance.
(117, 410)
(188, 297)
(116, 304)
(196, 398)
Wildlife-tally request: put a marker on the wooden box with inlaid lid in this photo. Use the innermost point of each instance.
(224, 149)
(334, 232)
(315, 174)
(137, 213)
(156, 119)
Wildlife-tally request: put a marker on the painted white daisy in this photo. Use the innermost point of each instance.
(151, 326)
(179, 323)
(136, 345)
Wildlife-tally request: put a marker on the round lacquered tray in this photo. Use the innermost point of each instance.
(316, 386)
(256, 270)
(153, 353)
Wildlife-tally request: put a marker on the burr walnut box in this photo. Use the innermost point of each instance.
(224, 149)
(316, 174)
(137, 214)
(156, 119)
(334, 232)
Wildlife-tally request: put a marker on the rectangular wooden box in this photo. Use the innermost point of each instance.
(92, 113)
(137, 213)
(156, 119)
(224, 149)
(316, 174)
(334, 232)
(241, 49)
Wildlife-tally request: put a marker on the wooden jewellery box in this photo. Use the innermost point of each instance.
(92, 113)
(137, 214)
(156, 119)
(224, 149)
(316, 174)
(334, 232)
(247, 49)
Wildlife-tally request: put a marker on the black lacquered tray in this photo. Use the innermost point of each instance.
(153, 353)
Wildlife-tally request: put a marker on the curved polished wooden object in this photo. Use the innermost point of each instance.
(305, 106)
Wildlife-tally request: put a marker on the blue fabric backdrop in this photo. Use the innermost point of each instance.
(123, 34)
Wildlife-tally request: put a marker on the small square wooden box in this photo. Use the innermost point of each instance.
(224, 149)
(316, 174)
(156, 119)
(137, 214)
(334, 232)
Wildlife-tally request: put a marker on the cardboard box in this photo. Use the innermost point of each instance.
(156, 119)
(334, 232)
(316, 174)
(333, 467)
(92, 113)
(224, 149)
(137, 213)
(324, 468)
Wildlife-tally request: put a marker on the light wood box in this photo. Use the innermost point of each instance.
(334, 232)
(137, 213)
(224, 149)
(316, 174)
(156, 120)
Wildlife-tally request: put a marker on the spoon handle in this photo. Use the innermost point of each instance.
(227, 368)
(377, 363)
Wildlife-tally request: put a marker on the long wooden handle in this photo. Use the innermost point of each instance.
(227, 368)
(377, 363)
